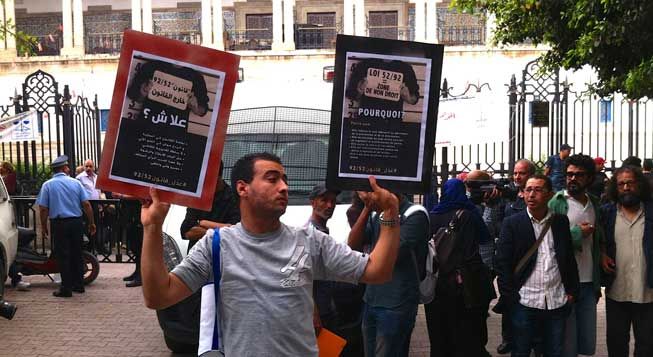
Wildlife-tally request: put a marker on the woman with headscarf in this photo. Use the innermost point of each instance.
(456, 318)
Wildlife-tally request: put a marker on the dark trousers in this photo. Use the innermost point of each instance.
(506, 328)
(455, 330)
(386, 332)
(67, 240)
(526, 321)
(619, 317)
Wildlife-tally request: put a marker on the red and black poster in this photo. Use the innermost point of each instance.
(383, 116)
(168, 119)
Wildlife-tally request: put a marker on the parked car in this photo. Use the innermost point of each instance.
(8, 244)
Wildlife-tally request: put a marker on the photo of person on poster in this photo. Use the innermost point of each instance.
(381, 86)
(146, 88)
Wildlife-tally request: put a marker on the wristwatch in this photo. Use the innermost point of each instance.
(388, 222)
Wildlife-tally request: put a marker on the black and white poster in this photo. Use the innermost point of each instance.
(384, 111)
(168, 120)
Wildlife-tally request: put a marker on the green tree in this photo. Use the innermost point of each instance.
(25, 44)
(615, 37)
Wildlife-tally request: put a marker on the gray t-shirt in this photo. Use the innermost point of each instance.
(266, 301)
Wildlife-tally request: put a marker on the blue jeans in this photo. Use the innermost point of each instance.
(580, 332)
(386, 332)
(526, 321)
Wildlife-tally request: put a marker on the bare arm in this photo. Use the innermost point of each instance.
(160, 288)
(44, 212)
(547, 171)
(357, 232)
(88, 210)
(197, 232)
(383, 257)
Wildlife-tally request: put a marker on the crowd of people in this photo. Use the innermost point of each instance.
(556, 242)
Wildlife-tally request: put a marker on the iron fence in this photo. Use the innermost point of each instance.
(103, 43)
(256, 39)
(614, 127)
(64, 128)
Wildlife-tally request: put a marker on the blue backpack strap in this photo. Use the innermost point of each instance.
(217, 275)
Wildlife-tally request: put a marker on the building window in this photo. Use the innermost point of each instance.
(383, 24)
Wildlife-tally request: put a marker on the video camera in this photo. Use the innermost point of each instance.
(479, 188)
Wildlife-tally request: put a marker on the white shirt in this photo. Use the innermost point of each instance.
(578, 214)
(89, 185)
(543, 289)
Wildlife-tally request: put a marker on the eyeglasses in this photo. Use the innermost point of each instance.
(578, 174)
(538, 190)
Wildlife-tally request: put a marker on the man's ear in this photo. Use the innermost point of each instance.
(241, 188)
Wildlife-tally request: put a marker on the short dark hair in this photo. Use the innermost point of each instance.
(244, 168)
(547, 181)
(642, 183)
(583, 161)
(648, 164)
(632, 161)
(530, 166)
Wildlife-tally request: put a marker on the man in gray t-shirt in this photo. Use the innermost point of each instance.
(267, 267)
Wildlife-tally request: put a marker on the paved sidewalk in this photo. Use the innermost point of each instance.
(111, 320)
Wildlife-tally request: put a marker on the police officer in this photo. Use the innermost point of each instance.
(61, 199)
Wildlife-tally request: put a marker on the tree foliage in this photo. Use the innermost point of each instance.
(25, 44)
(615, 37)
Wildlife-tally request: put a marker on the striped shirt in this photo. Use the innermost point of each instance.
(543, 289)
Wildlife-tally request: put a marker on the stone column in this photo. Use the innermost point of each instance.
(490, 27)
(66, 12)
(289, 25)
(78, 26)
(277, 28)
(359, 18)
(147, 16)
(431, 21)
(420, 20)
(348, 17)
(8, 46)
(207, 38)
(218, 27)
(136, 15)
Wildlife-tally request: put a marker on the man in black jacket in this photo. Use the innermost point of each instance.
(537, 292)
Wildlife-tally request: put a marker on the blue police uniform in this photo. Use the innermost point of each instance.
(63, 196)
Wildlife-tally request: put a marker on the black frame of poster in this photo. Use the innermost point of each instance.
(376, 123)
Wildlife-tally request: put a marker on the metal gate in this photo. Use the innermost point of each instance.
(65, 127)
(545, 113)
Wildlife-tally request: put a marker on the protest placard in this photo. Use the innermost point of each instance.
(168, 120)
(383, 115)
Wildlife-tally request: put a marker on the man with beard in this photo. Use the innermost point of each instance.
(266, 268)
(583, 210)
(628, 261)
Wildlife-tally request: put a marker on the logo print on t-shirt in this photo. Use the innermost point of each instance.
(295, 269)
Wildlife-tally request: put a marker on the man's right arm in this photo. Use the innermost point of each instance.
(160, 288)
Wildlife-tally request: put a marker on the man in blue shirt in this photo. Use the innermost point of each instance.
(555, 167)
(61, 200)
(390, 309)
